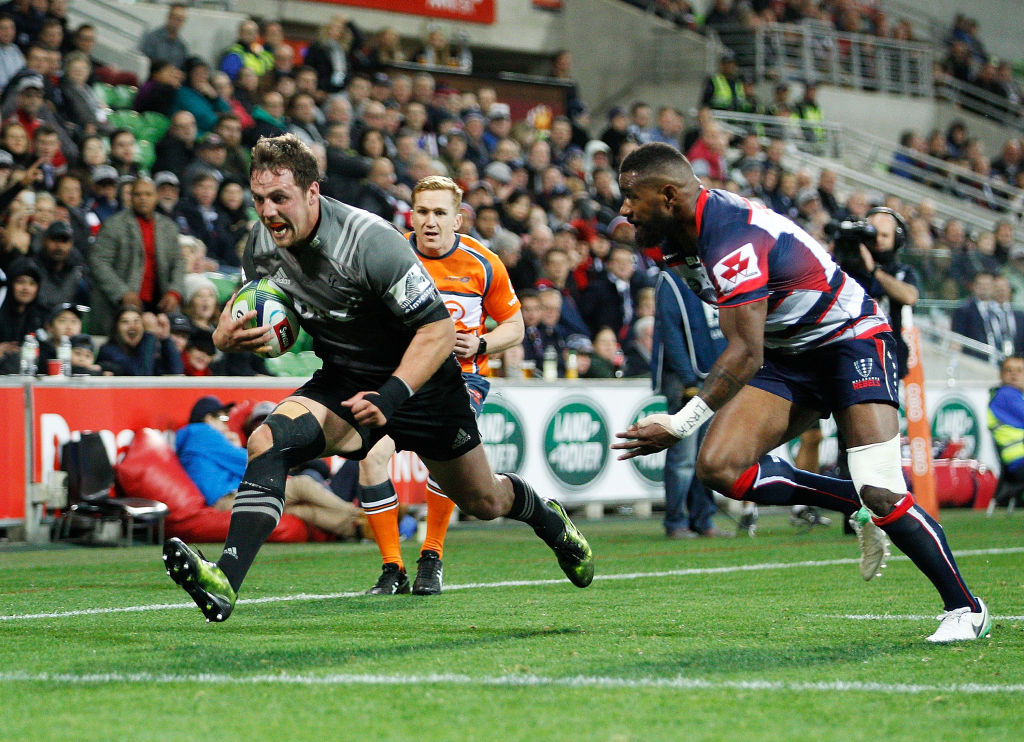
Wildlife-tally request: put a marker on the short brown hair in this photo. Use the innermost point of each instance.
(438, 183)
(286, 152)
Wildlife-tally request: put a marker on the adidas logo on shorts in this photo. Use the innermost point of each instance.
(461, 439)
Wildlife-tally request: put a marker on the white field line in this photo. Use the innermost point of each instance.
(516, 681)
(306, 597)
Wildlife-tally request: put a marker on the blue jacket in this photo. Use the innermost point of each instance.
(687, 339)
(153, 356)
(213, 462)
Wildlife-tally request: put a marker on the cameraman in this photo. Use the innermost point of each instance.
(867, 250)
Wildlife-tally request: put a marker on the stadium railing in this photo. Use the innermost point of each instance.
(813, 50)
(863, 161)
(980, 101)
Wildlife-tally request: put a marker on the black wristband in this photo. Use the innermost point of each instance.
(390, 396)
(481, 349)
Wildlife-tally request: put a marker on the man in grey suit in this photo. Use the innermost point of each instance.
(136, 260)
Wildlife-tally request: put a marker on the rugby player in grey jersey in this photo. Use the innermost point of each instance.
(386, 340)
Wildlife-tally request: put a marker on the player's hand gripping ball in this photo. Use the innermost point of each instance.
(274, 308)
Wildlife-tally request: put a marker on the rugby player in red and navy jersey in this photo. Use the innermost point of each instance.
(386, 340)
(804, 341)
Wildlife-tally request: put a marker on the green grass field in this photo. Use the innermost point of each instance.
(770, 638)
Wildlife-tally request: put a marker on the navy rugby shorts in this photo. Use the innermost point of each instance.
(834, 377)
(438, 422)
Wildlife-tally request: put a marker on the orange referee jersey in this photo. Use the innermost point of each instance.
(475, 285)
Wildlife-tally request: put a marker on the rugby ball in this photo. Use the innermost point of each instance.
(274, 308)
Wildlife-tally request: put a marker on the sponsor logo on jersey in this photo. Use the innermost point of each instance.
(864, 367)
(280, 277)
(736, 268)
(414, 290)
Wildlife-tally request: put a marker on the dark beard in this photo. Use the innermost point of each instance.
(650, 234)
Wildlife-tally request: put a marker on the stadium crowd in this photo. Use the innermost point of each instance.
(123, 222)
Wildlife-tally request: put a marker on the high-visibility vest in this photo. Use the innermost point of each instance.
(1008, 439)
(724, 95)
(808, 112)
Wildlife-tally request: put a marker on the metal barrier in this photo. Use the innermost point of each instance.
(814, 50)
(863, 161)
(979, 101)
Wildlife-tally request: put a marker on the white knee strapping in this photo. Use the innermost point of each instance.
(878, 465)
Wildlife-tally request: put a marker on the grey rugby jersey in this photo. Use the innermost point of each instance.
(358, 286)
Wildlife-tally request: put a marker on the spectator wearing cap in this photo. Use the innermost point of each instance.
(11, 58)
(83, 357)
(499, 125)
(168, 198)
(473, 127)
(210, 452)
(103, 202)
(198, 354)
(180, 328)
(64, 320)
(498, 176)
(206, 223)
(62, 272)
(136, 260)
(31, 113)
(21, 312)
(177, 149)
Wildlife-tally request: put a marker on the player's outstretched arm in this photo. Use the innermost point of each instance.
(743, 327)
(231, 335)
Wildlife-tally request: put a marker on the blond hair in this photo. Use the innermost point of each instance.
(438, 183)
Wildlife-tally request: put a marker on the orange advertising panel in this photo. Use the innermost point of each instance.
(918, 431)
(12, 453)
(474, 11)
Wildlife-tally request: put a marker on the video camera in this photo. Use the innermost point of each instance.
(847, 237)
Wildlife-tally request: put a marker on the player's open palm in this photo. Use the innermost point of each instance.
(648, 435)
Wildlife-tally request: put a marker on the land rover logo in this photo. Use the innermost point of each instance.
(576, 443)
(955, 420)
(650, 468)
(502, 431)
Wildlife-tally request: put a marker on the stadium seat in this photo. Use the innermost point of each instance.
(145, 154)
(154, 126)
(151, 469)
(130, 120)
(104, 93)
(226, 284)
(91, 508)
(123, 96)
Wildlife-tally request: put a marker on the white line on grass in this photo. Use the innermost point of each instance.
(518, 681)
(306, 597)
